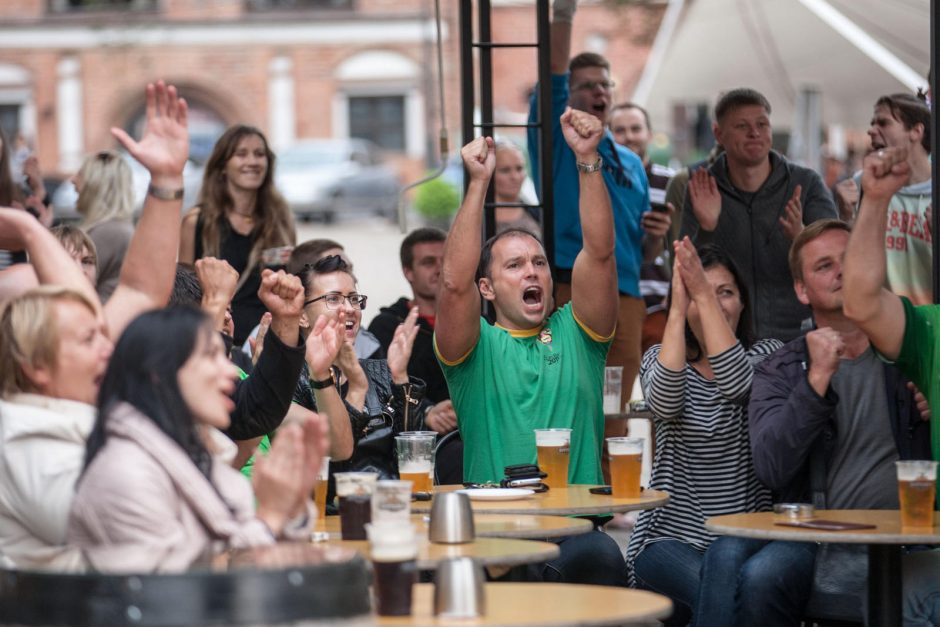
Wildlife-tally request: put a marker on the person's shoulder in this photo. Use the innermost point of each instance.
(779, 355)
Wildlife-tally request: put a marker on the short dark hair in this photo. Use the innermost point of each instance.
(712, 256)
(418, 236)
(633, 105)
(910, 111)
(308, 252)
(325, 265)
(187, 290)
(486, 254)
(808, 234)
(740, 97)
(587, 59)
(143, 372)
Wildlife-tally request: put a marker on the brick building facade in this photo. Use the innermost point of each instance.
(71, 69)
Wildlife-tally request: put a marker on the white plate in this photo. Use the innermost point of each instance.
(497, 494)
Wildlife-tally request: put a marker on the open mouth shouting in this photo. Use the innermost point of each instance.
(533, 298)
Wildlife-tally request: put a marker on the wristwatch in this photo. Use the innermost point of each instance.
(162, 193)
(587, 168)
(325, 383)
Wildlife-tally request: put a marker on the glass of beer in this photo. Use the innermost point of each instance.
(393, 549)
(416, 460)
(354, 490)
(432, 434)
(391, 502)
(917, 489)
(321, 487)
(552, 447)
(626, 462)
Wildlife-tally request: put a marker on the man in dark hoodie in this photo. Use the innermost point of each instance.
(421, 254)
(752, 203)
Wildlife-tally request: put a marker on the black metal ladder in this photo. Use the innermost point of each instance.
(485, 46)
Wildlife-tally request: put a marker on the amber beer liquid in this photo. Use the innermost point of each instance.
(917, 497)
(319, 496)
(418, 472)
(626, 464)
(625, 475)
(552, 448)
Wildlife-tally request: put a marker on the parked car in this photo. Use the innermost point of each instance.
(325, 177)
(64, 196)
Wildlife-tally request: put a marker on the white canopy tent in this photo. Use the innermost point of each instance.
(849, 51)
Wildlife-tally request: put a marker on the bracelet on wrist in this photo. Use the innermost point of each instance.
(165, 193)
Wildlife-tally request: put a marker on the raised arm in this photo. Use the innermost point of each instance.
(562, 16)
(717, 334)
(457, 328)
(150, 264)
(323, 345)
(594, 295)
(218, 280)
(867, 302)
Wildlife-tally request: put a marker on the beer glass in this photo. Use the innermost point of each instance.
(415, 460)
(354, 490)
(321, 487)
(391, 502)
(613, 385)
(432, 434)
(393, 550)
(552, 447)
(917, 489)
(626, 463)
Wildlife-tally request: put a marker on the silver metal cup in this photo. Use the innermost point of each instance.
(451, 519)
(458, 589)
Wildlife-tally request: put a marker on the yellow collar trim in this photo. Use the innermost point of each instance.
(521, 332)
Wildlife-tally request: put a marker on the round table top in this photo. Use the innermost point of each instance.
(544, 605)
(492, 526)
(887, 529)
(487, 551)
(572, 500)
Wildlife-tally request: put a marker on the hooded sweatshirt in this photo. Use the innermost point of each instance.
(749, 232)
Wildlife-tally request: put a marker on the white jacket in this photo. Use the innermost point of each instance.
(42, 450)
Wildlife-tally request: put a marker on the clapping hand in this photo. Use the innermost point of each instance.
(324, 343)
(164, 147)
(399, 351)
(689, 267)
(792, 220)
(705, 199)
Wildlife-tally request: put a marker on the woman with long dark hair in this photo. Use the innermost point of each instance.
(239, 215)
(157, 493)
(697, 383)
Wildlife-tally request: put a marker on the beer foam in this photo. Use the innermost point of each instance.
(414, 466)
(393, 552)
(552, 439)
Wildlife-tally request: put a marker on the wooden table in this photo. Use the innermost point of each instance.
(544, 605)
(573, 500)
(884, 547)
(492, 526)
(487, 551)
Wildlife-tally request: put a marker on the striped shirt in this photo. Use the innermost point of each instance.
(703, 456)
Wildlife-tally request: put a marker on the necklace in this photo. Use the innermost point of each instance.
(247, 216)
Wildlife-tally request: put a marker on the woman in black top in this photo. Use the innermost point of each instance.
(239, 215)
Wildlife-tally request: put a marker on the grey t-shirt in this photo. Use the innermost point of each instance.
(862, 474)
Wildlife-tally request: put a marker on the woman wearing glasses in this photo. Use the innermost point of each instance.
(380, 397)
(106, 203)
(239, 215)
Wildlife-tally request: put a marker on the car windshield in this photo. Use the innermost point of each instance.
(311, 155)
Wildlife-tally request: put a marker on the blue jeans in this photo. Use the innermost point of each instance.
(673, 569)
(753, 582)
(921, 603)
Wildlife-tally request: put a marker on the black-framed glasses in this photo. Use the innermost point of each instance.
(334, 300)
(606, 85)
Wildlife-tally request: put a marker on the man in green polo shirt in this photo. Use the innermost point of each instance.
(907, 334)
(534, 368)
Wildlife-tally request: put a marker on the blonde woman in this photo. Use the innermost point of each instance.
(106, 203)
(239, 214)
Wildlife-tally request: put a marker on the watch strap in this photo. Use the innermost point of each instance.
(590, 167)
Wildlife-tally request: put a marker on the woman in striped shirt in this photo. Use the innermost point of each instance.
(697, 384)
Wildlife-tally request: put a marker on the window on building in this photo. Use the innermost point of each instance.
(68, 6)
(380, 119)
(274, 5)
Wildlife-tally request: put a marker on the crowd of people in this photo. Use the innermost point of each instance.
(784, 335)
